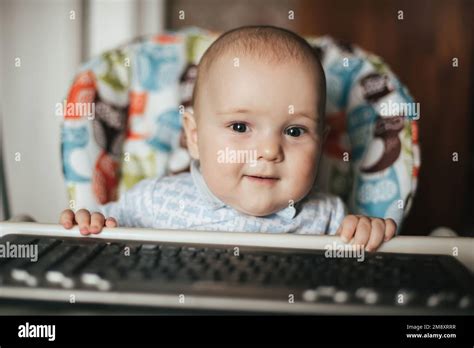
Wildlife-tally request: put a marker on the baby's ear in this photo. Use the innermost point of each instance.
(190, 128)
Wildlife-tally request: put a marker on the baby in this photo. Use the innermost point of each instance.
(259, 99)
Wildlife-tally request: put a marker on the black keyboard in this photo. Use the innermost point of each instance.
(247, 278)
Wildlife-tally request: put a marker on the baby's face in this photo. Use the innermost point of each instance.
(255, 133)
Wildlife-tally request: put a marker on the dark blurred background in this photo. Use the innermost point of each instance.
(419, 49)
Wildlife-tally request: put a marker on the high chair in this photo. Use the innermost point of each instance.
(139, 91)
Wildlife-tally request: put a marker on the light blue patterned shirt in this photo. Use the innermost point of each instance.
(184, 201)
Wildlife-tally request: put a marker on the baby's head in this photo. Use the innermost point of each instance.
(258, 118)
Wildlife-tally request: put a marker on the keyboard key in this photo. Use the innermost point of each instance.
(148, 247)
(94, 280)
(169, 251)
(341, 296)
(465, 302)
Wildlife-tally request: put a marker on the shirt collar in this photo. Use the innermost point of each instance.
(287, 213)
(215, 202)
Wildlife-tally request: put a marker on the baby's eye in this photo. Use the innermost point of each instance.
(239, 127)
(294, 131)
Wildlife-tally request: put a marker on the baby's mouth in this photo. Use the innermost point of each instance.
(262, 179)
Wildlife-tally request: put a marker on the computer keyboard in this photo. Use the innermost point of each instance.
(234, 278)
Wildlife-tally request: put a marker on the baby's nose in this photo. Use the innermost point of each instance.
(270, 150)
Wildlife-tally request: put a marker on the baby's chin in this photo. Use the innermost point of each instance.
(259, 211)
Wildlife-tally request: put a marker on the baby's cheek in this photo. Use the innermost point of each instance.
(220, 175)
(302, 168)
(304, 159)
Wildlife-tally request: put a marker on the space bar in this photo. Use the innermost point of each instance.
(202, 288)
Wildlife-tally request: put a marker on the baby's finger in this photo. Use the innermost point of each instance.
(376, 235)
(348, 227)
(97, 222)
(362, 233)
(111, 222)
(390, 229)
(83, 219)
(66, 219)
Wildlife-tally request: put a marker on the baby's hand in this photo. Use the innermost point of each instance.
(88, 223)
(366, 231)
